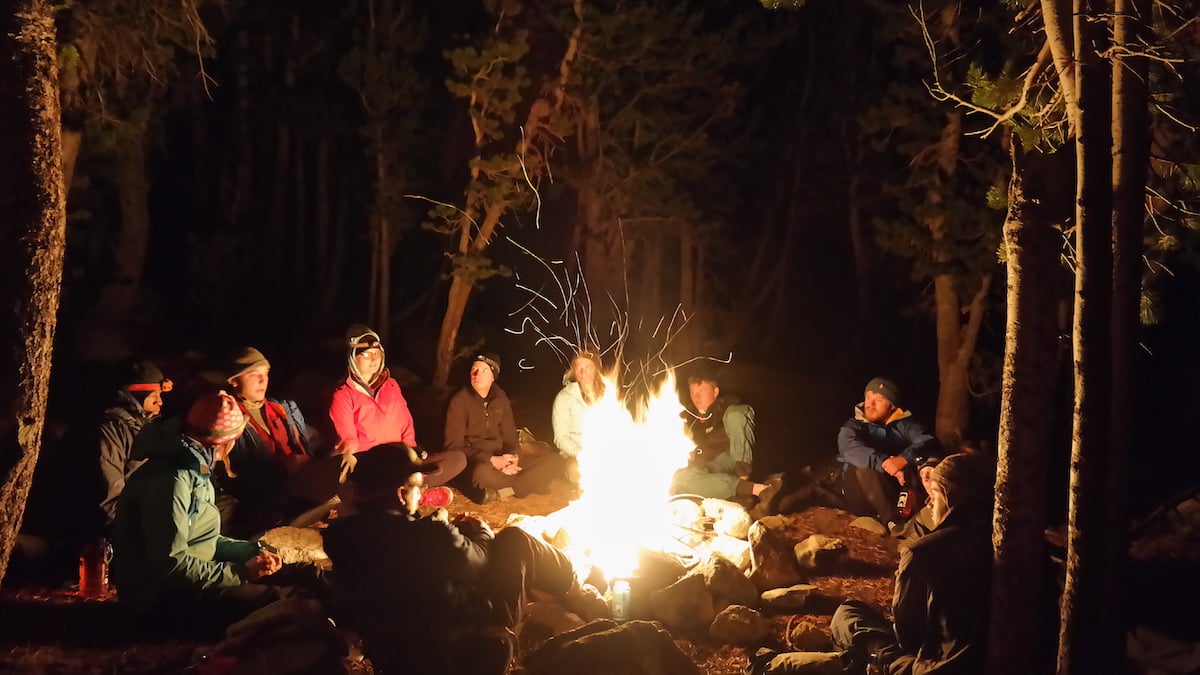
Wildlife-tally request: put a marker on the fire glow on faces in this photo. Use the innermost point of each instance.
(626, 466)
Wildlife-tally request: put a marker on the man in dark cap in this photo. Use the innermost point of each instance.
(479, 423)
(882, 449)
(943, 588)
(427, 595)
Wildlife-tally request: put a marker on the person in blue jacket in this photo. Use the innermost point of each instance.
(882, 449)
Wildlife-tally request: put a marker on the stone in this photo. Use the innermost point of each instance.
(772, 561)
(605, 647)
(805, 663)
(541, 621)
(736, 551)
(870, 525)
(740, 626)
(787, 600)
(808, 636)
(819, 552)
(729, 518)
(685, 605)
(779, 523)
(725, 581)
(298, 545)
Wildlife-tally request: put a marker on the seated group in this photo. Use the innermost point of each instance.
(237, 464)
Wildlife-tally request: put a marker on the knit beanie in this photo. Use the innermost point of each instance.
(885, 388)
(215, 418)
(243, 360)
(966, 477)
(492, 360)
(143, 376)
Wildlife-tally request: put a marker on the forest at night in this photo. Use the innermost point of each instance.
(992, 207)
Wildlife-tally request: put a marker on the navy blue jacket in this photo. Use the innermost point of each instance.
(868, 445)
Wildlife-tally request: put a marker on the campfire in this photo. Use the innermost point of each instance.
(625, 509)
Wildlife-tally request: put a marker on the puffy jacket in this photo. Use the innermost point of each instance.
(363, 421)
(121, 424)
(166, 537)
(567, 419)
(868, 444)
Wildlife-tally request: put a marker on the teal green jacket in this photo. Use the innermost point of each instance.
(167, 533)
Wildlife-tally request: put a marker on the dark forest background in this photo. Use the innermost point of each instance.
(266, 173)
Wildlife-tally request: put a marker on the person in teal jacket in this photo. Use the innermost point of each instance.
(170, 560)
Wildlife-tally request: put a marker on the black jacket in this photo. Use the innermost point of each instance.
(481, 427)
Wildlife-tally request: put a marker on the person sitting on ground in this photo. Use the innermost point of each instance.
(171, 564)
(479, 422)
(943, 588)
(723, 431)
(427, 595)
(138, 401)
(368, 409)
(583, 386)
(270, 458)
(882, 449)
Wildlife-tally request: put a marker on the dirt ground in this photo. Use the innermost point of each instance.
(57, 631)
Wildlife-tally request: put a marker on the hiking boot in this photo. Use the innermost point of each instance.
(438, 496)
(585, 601)
(768, 499)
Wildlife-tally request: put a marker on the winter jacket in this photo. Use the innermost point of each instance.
(401, 582)
(166, 537)
(943, 596)
(728, 427)
(121, 424)
(868, 444)
(567, 419)
(363, 420)
(481, 427)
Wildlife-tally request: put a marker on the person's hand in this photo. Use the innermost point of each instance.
(894, 467)
(349, 461)
(262, 565)
(470, 525)
(499, 462)
(513, 467)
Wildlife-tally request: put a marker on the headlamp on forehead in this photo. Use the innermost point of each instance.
(164, 386)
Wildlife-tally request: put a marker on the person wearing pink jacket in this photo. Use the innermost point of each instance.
(368, 409)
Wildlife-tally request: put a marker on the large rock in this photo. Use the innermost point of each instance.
(870, 525)
(724, 580)
(819, 552)
(736, 551)
(729, 518)
(684, 605)
(772, 561)
(605, 647)
(779, 523)
(741, 626)
(790, 599)
(808, 636)
(806, 663)
(542, 620)
(298, 545)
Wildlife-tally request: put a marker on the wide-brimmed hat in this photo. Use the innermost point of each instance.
(384, 468)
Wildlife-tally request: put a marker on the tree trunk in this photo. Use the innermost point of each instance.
(1056, 19)
(954, 358)
(1085, 610)
(120, 294)
(1032, 248)
(1131, 159)
(32, 241)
